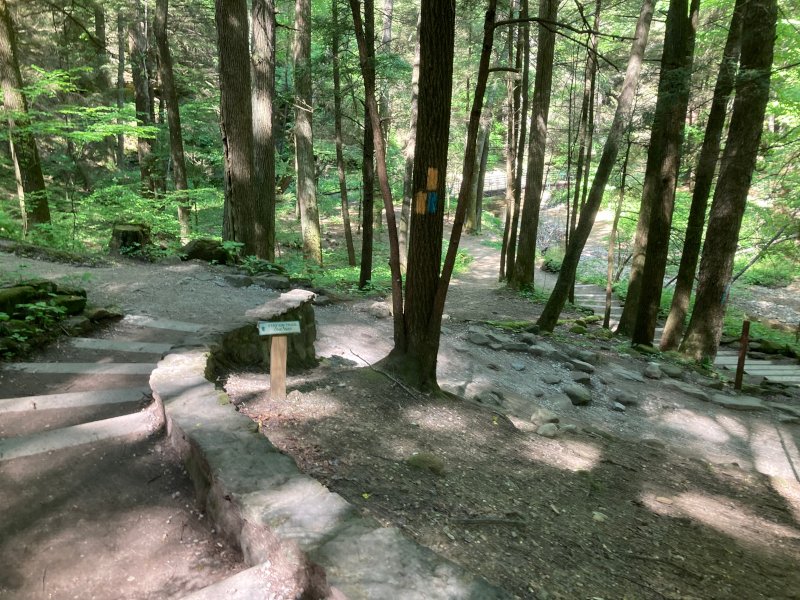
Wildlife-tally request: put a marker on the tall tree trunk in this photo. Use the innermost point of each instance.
(337, 128)
(514, 54)
(522, 95)
(733, 185)
(368, 220)
(534, 179)
(481, 180)
(622, 116)
(408, 153)
(236, 122)
(137, 51)
(170, 94)
(27, 164)
(120, 150)
(386, 48)
(368, 73)
(415, 352)
(674, 84)
(263, 53)
(704, 177)
(303, 136)
(612, 236)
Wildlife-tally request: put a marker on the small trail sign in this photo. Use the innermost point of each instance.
(278, 327)
(278, 351)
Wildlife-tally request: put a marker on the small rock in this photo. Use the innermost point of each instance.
(518, 366)
(618, 407)
(238, 281)
(568, 428)
(788, 420)
(738, 402)
(599, 517)
(489, 398)
(273, 282)
(582, 366)
(671, 370)
(663, 500)
(689, 389)
(321, 300)
(498, 338)
(380, 310)
(426, 461)
(580, 322)
(548, 430)
(102, 313)
(645, 349)
(515, 347)
(544, 415)
(578, 394)
(578, 329)
(493, 366)
(495, 345)
(652, 371)
(628, 375)
(626, 399)
(477, 338)
(528, 338)
(551, 379)
(582, 378)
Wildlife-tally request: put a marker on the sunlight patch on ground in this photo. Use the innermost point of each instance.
(436, 418)
(567, 455)
(723, 514)
(702, 427)
(774, 451)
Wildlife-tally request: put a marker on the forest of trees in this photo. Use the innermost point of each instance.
(339, 137)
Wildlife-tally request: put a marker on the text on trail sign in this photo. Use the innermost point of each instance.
(278, 327)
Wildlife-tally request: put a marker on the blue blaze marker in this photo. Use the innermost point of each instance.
(433, 200)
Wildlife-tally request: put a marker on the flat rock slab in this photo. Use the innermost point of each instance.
(72, 399)
(688, 389)
(119, 345)
(137, 426)
(83, 368)
(287, 302)
(738, 402)
(787, 408)
(155, 323)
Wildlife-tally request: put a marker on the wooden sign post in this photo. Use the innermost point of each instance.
(278, 352)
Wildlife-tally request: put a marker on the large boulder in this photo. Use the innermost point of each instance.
(207, 250)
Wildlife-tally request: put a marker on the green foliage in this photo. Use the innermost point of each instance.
(553, 257)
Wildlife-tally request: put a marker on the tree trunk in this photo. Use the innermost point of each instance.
(169, 92)
(263, 57)
(408, 153)
(674, 84)
(386, 48)
(566, 276)
(415, 353)
(733, 185)
(337, 127)
(704, 177)
(303, 136)
(120, 150)
(368, 221)
(514, 54)
(25, 153)
(368, 73)
(522, 94)
(236, 122)
(534, 179)
(481, 181)
(137, 51)
(612, 236)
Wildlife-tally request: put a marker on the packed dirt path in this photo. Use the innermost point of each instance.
(654, 488)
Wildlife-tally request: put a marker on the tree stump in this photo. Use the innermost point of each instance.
(129, 238)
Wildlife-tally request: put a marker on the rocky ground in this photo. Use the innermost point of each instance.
(575, 469)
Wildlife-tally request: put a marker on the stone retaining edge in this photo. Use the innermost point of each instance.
(285, 521)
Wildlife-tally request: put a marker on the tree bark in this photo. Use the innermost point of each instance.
(612, 236)
(704, 177)
(669, 127)
(415, 352)
(170, 94)
(736, 170)
(137, 51)
(25, 153)
(236, 122)
(408, 153)
(514, 55)
(337, 128)
(120, 149)
(566, 276)
(263, 57)
(303, 136)
(383, 176)
(534, 179)
(368, 220)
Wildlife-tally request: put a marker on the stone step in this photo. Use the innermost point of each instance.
(795, 379)
(72, 399)
(83, 368)
(157, 323)
(136, 426)
(119, 345)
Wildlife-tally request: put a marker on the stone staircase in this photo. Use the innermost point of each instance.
(106, 441)
(594, 297)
